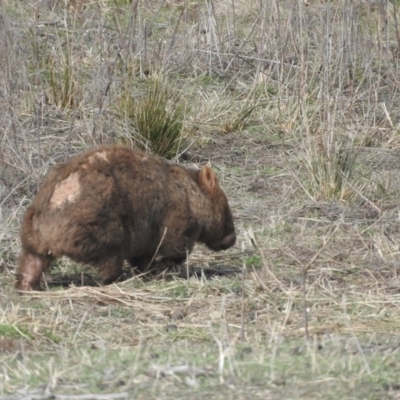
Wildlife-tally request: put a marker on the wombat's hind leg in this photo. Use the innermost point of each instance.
(30, 269)
(110, 269)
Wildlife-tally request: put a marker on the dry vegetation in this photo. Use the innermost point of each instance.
(296, 105)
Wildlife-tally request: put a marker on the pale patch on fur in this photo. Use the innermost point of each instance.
(67, 190)
(100, 155)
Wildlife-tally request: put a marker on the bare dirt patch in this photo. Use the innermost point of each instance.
(295, 106)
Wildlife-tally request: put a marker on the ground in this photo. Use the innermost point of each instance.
(295, 108)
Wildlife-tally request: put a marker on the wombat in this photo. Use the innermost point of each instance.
(113, 204)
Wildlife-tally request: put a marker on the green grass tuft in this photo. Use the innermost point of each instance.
(156, 118)
(14, 332)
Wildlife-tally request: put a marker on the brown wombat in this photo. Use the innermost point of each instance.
(113, 204)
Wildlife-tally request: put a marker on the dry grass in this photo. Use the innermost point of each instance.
(295, 105)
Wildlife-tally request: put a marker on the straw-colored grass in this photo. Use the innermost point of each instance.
(295, 105)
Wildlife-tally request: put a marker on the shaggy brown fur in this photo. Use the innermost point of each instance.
(114, 204)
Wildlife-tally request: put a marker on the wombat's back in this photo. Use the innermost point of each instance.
(84, 206)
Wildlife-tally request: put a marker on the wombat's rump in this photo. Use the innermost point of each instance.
(113, 204)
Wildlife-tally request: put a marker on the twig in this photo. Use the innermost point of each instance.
(242, 336)
(158, 248)
(34, 395)
(221, 362)
(51, 396)
(79, 327)
(304, 271)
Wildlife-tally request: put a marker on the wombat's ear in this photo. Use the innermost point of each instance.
(207, 178)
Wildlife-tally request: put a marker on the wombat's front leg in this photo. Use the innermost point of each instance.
(30, 269)
(110, 269)
(144, 265)
(141, 265)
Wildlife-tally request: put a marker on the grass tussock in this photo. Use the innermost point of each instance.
(156, 119)
(333, 173)
(63, 89)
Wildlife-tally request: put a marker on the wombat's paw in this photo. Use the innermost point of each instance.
(22, 285)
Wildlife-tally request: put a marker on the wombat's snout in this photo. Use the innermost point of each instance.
(227, 242)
